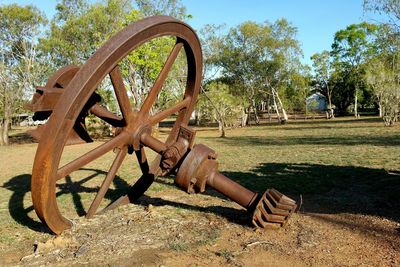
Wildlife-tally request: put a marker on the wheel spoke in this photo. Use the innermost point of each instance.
(141, 156)
(120, 92)
(91, 155)
(107, 181)
(107, 116)
(138, 189)
(169, 111)
(161, 78)
(135, 192)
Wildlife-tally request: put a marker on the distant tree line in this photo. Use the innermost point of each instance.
(260, 65)
(248, 68)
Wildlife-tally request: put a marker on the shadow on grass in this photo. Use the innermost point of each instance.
(325, 189)
(21, 185)
(337, 120)
(350, 140)
(329, 189)
(22, 138)
(238, 216)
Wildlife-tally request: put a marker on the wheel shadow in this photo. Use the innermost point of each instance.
(21, 185)
(328, 189)
(239, 216)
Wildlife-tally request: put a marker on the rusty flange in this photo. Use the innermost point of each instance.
(195, 170)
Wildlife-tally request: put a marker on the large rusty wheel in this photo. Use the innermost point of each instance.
(136, 125)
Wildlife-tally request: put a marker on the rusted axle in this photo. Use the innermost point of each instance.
(200, 168)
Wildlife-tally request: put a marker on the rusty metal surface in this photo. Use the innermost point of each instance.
(273, 210)
(46, 170)
(200, 168)
(69, 97)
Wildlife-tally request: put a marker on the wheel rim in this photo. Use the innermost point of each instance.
(46, 169)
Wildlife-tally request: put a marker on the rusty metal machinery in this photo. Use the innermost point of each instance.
(69, 96)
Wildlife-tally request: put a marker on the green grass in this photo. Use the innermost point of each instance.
(340, 165)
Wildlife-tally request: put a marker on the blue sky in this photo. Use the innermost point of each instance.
(316, 20)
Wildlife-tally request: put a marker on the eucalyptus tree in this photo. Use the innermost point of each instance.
(323, 68)
(389, 8)
(19, 66)
(382, 72)
(257, 59)
(352, 47)
(79, 28)
(217, 103)
(173, 8)
(74, 36)
(281, 61)
(298, 88)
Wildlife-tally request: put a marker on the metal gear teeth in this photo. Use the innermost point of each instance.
(273, 210)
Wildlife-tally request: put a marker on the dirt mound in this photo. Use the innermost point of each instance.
(203, 230)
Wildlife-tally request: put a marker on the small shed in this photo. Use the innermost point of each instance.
(317, 102)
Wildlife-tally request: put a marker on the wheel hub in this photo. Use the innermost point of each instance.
(136, 127)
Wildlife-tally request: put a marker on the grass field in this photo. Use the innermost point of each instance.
(338, 166)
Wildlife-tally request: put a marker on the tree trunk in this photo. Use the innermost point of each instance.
(244, 117)
(306, 110)
(285, 117)
(221, 126)
(4, 134)
(355, 104)
(380, 109)
(276, 106)
(331, 113)
(268, 109)
(1, 133)
(256, 118)
(197, 117)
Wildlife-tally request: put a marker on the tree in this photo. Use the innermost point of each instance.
(172, 8)
(67, 9)
(19, 66)
(352, 46)
(298, 88)
(238, 58)
(141, 68)
(391, 8)
(216, 102)
(383, 73)
(211, 38)
(323, 73)
(77, 33)
(281, 61)
(257, 59)
(381, 79)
